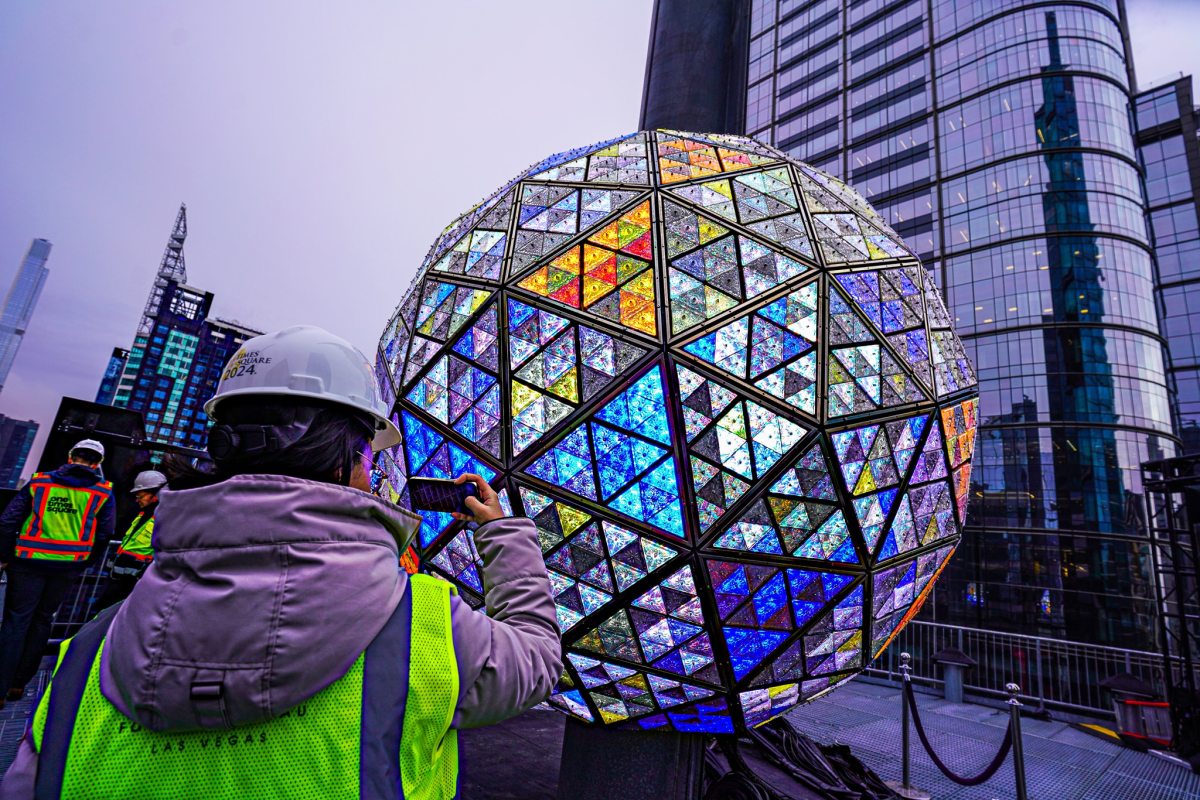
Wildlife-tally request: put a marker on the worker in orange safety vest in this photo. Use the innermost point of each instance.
(53, 529)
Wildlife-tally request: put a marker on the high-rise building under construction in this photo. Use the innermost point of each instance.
(177, 355)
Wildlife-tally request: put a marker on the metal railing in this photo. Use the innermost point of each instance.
(81, 603)
(1056, 673)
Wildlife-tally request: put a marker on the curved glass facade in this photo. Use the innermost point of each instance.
(1003, 150)
(1010, 285)
(1006, 45)
(995, 125)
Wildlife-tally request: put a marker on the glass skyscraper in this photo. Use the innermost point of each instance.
(997, 137)
(177, 355)
(112, 376)
(1167, 121)
(16, 440)
(19, 304)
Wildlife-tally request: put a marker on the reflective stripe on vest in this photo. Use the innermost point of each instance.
(137, 540)
(379, 731)
(61, 525)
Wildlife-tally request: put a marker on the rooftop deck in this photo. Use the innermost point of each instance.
(1061, 762)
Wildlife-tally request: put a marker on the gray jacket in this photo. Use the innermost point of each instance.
(275, 585)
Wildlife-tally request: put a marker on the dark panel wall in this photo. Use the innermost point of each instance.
(696, 68)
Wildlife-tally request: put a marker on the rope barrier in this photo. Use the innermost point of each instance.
(988, 771)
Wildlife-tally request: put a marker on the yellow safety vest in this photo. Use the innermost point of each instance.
(137, 540)
(382, 730)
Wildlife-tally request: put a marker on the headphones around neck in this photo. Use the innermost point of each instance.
(226, 441)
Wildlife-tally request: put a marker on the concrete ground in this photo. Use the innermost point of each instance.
(519, 759)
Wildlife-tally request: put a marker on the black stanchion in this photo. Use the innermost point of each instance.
(905, 788)
(1014, 725)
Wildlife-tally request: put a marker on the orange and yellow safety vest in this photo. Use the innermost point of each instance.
(62, 523)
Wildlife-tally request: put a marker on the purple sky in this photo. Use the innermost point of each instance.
(320, 148)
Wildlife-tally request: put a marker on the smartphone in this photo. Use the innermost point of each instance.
(438, 494)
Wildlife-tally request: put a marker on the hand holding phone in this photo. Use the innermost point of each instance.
(481, 509)
(468, 498)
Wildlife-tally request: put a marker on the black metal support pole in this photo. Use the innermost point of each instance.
(1172, 492)
(696, 67)
(602, 764)
(905, 667)
(905, 788)
(1018, 754)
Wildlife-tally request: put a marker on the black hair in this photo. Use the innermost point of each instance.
(326, 451)
(188, 473)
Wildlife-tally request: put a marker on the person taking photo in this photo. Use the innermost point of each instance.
(273, 648)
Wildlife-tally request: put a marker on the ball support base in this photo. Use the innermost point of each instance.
(776, 762)
(601, 764)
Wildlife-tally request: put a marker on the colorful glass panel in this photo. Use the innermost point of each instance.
(732, 442)
(556, 364)
(445, 307)
(797, 516)
(866, 377)
(771, 348)
(620, 693)
(608, 275)
(621, 457)
(590, 559)
(900, 591)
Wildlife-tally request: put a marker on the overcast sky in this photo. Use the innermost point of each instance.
(320, 148)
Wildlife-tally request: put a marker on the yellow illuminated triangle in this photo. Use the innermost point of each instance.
(566, 387)
(571, 518)
(866, 481)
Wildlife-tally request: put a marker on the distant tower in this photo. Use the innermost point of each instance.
(16, 440)
(20, 302)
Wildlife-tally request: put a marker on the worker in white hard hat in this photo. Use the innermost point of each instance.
(275, 614)
(52, 529)
(136, 550)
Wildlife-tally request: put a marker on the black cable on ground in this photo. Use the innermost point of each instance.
(739, 782)
(806, 762)
(988, 771)
(777, 762)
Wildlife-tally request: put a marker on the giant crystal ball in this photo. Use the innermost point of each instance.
(728, 395)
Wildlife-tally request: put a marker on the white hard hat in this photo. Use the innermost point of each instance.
(306, 361)
(90, 444)
(149, 480)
